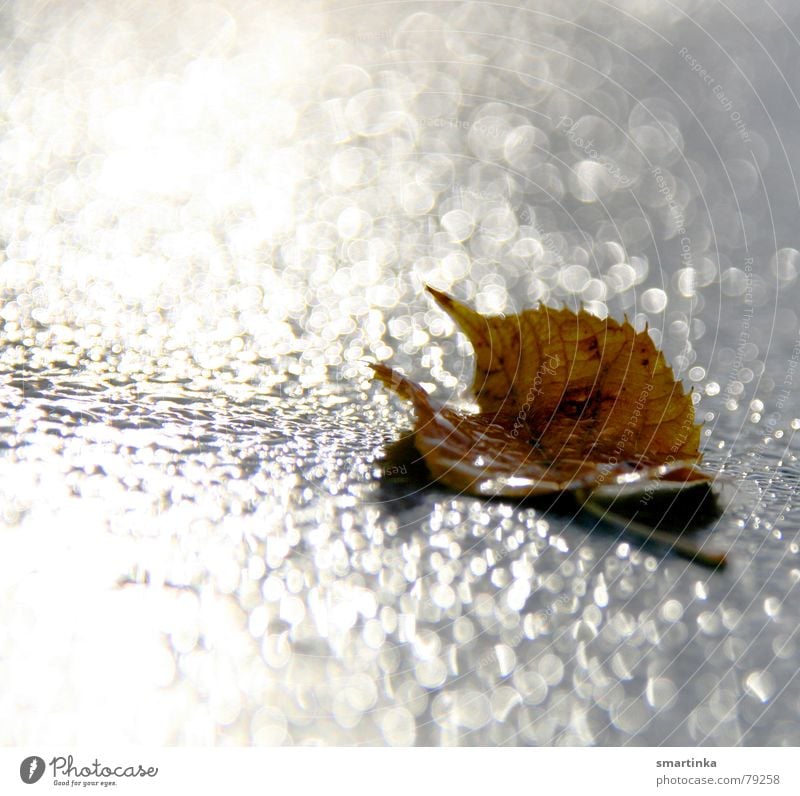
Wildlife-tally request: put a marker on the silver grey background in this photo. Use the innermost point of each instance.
(213, 214)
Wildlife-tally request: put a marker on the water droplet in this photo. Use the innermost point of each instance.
(654, 300)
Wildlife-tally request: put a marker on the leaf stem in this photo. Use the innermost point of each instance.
(683, 547)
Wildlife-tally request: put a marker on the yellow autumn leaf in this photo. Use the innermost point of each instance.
(577, 385)
(568, 402)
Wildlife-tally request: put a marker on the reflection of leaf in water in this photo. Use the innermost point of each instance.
(568, 402)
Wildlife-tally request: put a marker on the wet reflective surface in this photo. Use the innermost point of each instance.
(212, 215)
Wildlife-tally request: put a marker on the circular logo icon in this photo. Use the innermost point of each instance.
(31, 769)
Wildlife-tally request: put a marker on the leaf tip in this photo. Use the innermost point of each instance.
(398, 383)
(384, 373)
(442, 299)
(472, 323)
